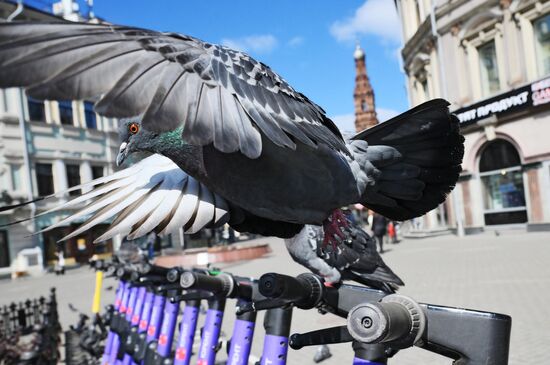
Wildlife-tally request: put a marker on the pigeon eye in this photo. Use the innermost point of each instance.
(133, 128)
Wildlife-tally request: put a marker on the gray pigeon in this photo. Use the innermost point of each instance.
(236, 127)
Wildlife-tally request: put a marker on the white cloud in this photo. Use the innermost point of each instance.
(346, 122)
(296, 41)
(376, 17)
(263, 43)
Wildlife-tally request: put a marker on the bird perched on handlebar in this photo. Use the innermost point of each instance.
(245, 142)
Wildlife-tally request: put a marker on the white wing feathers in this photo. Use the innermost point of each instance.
(152, 195)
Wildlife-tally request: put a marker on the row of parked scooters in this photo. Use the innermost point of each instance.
(140, 327)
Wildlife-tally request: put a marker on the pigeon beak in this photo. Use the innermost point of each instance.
(122, 153)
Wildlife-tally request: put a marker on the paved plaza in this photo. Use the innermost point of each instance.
(508, 273)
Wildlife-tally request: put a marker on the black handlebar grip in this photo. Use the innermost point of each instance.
(120, 272)
(155, 269)
(173, 274)
(221, 284)
(397, 319)
(305, 290)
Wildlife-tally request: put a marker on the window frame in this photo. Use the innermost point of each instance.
(38, 179)
(62, 105)
(31, 101)
(485, 85)
(88, 109)
(68, 167)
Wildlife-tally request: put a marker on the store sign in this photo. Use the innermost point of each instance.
(532, 95)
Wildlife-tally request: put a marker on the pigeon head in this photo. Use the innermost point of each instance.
(135, 138)
(131, 138)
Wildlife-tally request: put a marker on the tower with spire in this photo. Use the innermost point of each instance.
(365, 113)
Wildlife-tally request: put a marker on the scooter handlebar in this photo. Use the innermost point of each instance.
(305, 290)
(396, 319)
(221, 284)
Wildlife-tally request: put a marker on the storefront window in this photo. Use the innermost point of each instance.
(503, 190)
(490, 82)
(542, 44)
(502, 183)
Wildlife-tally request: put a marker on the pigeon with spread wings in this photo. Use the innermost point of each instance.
(237, 127)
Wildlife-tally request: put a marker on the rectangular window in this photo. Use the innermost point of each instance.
(44, 178)
(66, 112)
(490, 82)
(503, 190)
(4, 249)
(97, 172)
(37, 112)
(542, 44)
(89, 115)
(16, 177)
(73, 177)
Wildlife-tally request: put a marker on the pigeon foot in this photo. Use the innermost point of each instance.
(334, 227)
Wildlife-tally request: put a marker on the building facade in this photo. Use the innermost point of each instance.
(363, 95)
(491, 60)
(47, 147)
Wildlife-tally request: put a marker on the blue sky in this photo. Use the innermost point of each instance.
(310, 43)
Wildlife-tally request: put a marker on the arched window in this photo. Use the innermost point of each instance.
(502, 181)
(499, 154)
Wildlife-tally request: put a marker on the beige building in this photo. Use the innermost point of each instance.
(46, 147)
(491, 60)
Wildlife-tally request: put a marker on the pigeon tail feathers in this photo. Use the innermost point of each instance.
(410, 163)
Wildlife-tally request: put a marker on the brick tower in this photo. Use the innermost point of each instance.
(365, 113)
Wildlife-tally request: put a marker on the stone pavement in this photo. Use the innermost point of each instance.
(509, 274)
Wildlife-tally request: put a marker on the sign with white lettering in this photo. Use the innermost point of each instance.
(535, 94)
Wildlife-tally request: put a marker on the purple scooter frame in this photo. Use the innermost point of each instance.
(277, 329)
(143, 322)
(187, 332)
(241, 340)
(169, 321)
(116, 339)
(153, 329)
(211, 332)
(122, 288)
(133, 315)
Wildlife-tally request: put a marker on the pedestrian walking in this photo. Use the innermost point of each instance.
(379, 224)
(60, 265)
(392, 234)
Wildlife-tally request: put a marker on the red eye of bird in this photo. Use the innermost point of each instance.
(133, 128)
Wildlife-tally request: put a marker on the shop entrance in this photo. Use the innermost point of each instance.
(502, 184)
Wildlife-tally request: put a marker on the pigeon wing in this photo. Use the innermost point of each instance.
(220, 96)
(152, 195)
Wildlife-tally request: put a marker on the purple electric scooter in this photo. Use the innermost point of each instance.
(122, 288)
(276, 323)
